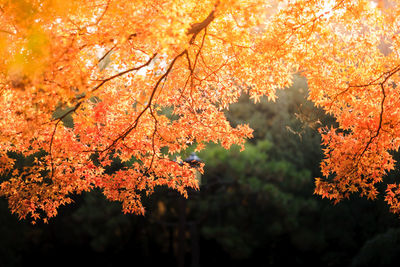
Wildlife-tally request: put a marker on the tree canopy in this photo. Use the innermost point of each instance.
(85, 82)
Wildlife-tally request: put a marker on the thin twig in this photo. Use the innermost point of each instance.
(59, 119)
(103, 13)
(123, 73)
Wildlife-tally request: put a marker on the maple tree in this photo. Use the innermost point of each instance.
(144, 80)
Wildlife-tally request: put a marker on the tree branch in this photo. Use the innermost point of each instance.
(59, 119)
(123, 73)
(198, 27)
(379, 125)
(135, 123)
(103, 13)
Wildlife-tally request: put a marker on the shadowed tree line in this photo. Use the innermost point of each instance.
(253, 206)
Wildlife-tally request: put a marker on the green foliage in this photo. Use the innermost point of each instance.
(290, 124)
(250, 199)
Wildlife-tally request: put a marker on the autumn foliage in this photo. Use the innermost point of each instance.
(144, 80)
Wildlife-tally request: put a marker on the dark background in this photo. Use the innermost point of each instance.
(254, 208)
